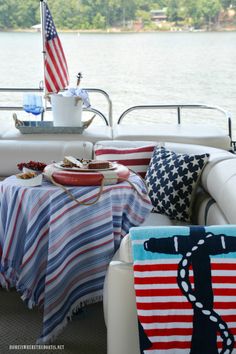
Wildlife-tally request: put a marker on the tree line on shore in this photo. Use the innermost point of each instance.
(105, 14)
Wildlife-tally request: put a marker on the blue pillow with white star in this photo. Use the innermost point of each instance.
(172, 179)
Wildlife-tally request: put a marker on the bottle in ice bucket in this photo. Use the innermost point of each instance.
(79, 77)
(67, 105)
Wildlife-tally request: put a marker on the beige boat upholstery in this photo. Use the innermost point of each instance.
(188, 134)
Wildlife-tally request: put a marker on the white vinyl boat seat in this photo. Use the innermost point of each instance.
(13, 152)
(92, 134)
(186, 134)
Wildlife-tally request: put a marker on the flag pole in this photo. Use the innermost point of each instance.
(42, 17)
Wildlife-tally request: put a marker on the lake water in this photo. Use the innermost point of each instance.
(134, 68)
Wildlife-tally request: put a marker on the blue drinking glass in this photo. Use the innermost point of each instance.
(32, 104)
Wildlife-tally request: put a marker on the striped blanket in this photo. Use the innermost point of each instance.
(185, 284)
(56, 252)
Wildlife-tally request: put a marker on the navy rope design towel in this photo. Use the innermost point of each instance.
(185, 288)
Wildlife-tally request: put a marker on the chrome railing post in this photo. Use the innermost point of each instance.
(179, 114)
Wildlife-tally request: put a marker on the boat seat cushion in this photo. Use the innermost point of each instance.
(187, 134)
(157, 219)
(220, 182)
(172, 181)
(12, 152)
(92, 133)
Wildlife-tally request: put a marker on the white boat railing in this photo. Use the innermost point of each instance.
(179, 108)
(106, 118)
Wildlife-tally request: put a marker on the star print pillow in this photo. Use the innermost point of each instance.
(172, 180)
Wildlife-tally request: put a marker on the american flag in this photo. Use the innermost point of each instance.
(56, 71)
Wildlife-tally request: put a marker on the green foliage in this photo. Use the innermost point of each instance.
(101, 14)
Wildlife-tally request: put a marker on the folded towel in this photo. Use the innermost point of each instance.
(77, 92)
(185, 284)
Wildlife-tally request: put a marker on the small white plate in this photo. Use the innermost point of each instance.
(30, 182)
